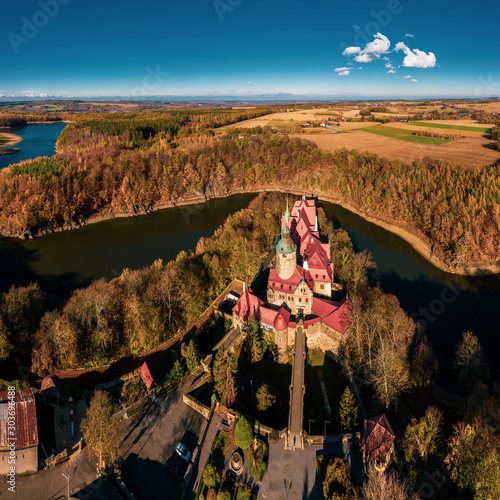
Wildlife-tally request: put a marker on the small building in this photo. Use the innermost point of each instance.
(19, 437)
(51, 387)
(147, 376)
(377, 442)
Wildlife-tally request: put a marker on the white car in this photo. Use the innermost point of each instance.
(183, 452)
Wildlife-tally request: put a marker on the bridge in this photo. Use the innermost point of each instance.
(295, 434)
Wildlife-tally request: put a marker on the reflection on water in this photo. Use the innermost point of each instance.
(445, 304)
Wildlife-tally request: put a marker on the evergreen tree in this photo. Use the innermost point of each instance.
(192, 361)
(243, 434)
(348, 409)
(265, 399)
(224, 368)
(255, 341)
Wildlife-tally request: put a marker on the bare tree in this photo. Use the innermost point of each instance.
(384, 486)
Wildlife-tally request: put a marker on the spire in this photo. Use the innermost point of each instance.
(287, 213)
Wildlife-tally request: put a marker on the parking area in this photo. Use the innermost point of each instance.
(149, 439)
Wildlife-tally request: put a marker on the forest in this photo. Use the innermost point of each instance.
(134, 163)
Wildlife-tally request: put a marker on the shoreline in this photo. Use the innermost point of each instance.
(414, 240)
(12, 139)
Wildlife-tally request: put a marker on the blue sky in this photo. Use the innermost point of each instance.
(250, 48)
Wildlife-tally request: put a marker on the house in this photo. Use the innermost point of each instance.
(18, 431)
(51, 387)
(377, 442)
(299, 289)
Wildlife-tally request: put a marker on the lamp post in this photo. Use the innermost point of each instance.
(67, 478)
(324, 433)
(310, 425)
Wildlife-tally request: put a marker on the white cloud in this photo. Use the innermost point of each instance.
(249, 83)
(407, 76)
(413, 80)
(351, 50)
(409, 35)
(416, 58)
(364, 58)
(343, 73)
(373, 50)
(391, 71)
(345, 68)
(388, 65)
(380, 45)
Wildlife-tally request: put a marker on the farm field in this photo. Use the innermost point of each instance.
(403, 135)
(448, 126)
(471, 152)
(411, 126)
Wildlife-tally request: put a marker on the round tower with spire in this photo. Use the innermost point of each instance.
(286, 251)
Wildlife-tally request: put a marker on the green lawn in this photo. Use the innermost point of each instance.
(404, 135)
(452, 127)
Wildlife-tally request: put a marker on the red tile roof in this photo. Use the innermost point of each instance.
(377, 438)
(146, 376)
(340, 319)
(248, 305)
(282, 319)
(26, 430)
(267, 315)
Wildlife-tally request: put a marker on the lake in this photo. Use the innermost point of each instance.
(38, 140)
(445, 304)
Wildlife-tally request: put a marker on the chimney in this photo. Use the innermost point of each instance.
(305, 264)
(316, 224)
(303, 196)
(244, 287)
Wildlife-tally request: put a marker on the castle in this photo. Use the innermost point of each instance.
(299, 290)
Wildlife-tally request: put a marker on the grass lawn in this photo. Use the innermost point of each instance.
(453, 127)
(314, 407)
(404, 135)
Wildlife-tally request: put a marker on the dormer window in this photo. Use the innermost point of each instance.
(282, 286)
(290, 287)
(316, 276)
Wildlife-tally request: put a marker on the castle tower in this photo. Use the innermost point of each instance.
(286, 253)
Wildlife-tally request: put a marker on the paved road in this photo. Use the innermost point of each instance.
(149, 439)
(84, 482)
(297, 404)
(204, 454)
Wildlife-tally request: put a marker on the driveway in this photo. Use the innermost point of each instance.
(149, 439)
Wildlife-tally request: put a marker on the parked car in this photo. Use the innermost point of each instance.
(183, 452)
(177, 466)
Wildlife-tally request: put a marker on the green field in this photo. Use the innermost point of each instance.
(404, 135)
(452, 127)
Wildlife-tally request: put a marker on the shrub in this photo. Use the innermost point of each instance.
(274, 436)
(211, 476)
(223, 495)
(211, 494)
(243, 433)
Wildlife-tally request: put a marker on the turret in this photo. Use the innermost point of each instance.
(286, 255)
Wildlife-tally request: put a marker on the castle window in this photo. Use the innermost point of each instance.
(300, 299)
(280, 340)
(291, 299)
(322, 286)
(307, 301)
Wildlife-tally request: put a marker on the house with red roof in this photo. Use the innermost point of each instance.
(299, 287)
(377, 442)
